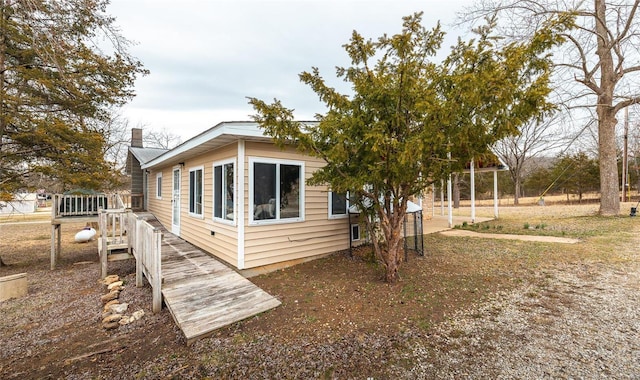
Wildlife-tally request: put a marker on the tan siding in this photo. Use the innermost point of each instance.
(161, 207)
(197, 230)
(316, 235)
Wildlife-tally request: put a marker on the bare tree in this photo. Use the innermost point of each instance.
(162, 138)
(535, 138)
(599, 56)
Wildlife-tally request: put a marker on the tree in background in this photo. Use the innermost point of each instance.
(535, 138)
(117, 133)
(392, 138)
(575, 174)
(600, 56)
(59, 79)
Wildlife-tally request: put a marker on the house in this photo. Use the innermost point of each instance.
(233, 193)
(135, 157)
(22, 203)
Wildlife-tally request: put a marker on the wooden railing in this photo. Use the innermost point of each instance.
(113, 225)
(78, 205)
(122, 229)
(145, 241)
(90, 205)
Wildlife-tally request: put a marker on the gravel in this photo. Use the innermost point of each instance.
(570, 324)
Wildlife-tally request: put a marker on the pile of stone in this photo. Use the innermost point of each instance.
(113, 315)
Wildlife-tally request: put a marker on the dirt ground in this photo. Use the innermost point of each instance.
(337, 318)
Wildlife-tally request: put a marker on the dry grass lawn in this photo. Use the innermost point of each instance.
(337, 319)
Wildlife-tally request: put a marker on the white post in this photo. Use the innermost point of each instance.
(473, 191)
(441, 198)
(495, 194)
(449, 205)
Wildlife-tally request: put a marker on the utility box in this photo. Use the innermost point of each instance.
(13, 286)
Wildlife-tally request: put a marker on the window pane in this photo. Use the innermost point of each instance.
(199, 192)
(217, 191)
(230, 190)
(338, 203)
(289, 191)
(195, 192)
(264, 191)
(192, 195)
(159, 186)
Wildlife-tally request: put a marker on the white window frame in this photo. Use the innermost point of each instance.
(159, 185)
(330, 211)
(235, 191)
(278, 163)
(192, 213)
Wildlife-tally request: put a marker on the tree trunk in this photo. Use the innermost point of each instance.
(391, 252)
(516, 192)
(609, 192)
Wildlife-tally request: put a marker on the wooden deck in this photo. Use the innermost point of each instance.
(203, 294)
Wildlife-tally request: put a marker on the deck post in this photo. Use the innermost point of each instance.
(157, 276)
(53, 246)
(103, 242)
(59, 244)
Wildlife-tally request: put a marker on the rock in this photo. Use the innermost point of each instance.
(110, 326)
(138, 314)
(112, 302)
(114, 285)
(118, 288)
(110, 296)
(112, 318)
(134, 317)
(125, 320)
(111, 279)
(118, 308)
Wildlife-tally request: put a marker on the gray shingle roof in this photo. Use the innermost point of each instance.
(146, 154)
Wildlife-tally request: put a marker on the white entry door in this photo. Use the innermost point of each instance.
(175, 203)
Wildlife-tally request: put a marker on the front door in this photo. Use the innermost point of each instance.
(175, 203)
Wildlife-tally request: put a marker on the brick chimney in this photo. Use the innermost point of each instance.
(136, 137)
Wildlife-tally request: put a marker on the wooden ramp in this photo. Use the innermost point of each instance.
(203, 294)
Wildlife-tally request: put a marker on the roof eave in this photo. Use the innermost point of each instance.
(238, 129)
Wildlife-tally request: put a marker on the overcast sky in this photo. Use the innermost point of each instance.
(207, 56)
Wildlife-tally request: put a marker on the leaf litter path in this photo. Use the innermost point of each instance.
(535, 238)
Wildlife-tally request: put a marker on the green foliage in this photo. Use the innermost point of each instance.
(56, 87)
(411, 121)
(576, 174)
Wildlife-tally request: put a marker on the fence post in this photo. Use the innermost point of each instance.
(156, 249)
(138, 252)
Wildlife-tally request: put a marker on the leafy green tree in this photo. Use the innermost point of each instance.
(576, 174)
(538, 181)
(59, 77)
(392, 138)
